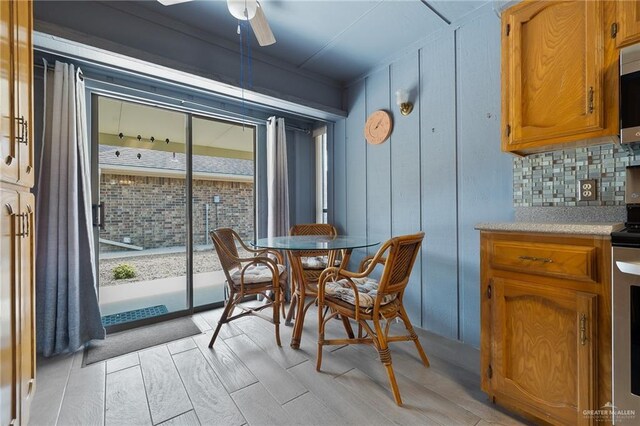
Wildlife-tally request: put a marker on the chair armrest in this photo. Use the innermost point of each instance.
(272, 252)
(336, 274)
(270, 263)
(367, 261)
(261, 251)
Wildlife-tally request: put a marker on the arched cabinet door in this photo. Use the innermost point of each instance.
(9, 306)
(543, 358)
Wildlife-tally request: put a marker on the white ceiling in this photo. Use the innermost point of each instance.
(130, 119)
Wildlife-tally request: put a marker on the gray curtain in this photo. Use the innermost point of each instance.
(277, 179)
(67, 311)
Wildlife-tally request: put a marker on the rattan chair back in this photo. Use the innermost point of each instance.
(225, 242)
(401, 255)
(313, 229)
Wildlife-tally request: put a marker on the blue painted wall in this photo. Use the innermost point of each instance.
(442, 170)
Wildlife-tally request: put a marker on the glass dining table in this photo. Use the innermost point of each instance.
(297, 246)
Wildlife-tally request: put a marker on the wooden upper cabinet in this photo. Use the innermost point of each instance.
(16, 82)
(628, 22)
(23, 59)
(544, 353)
(555, 63)
(8, 148)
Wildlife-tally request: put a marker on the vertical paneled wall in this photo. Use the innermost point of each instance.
(442, 170)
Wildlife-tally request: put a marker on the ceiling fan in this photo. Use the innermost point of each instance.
(245, 10)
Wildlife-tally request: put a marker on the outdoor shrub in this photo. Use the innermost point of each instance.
(124, 271)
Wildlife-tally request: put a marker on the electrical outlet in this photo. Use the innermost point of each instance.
(587, 190)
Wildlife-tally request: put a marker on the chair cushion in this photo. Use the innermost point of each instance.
(257, 273)
(316, 262)
(367, 292)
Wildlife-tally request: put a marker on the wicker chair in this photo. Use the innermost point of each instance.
(307, 265)
(364, 299)
(249, 276)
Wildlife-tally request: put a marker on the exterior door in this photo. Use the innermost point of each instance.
(143, 237)
(553, 57)
(543, 353)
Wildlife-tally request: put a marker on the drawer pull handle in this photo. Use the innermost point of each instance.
(583, 329)
(536, 259)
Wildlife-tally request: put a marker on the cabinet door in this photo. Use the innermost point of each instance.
(543, 351)
(27, 305)
(23, 60)
(553, 56)
(8, 145)
(9, 361)
(628, 17)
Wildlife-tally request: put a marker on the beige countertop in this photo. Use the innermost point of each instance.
(600, 228)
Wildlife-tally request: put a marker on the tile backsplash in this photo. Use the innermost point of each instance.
(550, 179)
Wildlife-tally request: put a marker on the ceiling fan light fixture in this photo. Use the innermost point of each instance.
(242, 9)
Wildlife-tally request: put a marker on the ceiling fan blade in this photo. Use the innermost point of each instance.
(261, 28)
(172, 2)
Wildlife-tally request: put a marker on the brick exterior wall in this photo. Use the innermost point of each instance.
(151, 210)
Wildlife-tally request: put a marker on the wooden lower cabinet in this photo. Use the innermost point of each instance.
(545, 338)
(17, 334)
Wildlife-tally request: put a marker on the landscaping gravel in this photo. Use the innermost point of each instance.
(153, 267)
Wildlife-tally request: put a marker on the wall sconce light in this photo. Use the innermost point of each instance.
(402, 99)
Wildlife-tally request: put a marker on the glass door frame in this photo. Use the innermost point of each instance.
(94, 93)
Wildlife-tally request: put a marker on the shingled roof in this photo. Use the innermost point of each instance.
(166, 161)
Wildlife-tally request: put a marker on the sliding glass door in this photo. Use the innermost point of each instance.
(222, 196)
(163, 179)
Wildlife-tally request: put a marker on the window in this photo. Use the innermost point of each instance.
(320, 138)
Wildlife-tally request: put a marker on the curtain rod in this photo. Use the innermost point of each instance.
(295, 128)
(232, 114)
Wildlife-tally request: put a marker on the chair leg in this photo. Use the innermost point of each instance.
(294, 299)
(320, 338)
(276, 313)
(298, 324)
(385, 358)
(223, 320)
(347, 326)
(414, 336)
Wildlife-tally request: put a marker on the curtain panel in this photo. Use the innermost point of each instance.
(67, 311)
(277, 179)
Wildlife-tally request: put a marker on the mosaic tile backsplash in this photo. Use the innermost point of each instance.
(550, 179)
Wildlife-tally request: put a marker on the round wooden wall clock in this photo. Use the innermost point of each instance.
(378, 127)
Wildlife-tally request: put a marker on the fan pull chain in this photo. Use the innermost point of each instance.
(246, 76)
(241, 70)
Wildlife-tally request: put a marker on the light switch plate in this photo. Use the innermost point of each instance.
(587, 190)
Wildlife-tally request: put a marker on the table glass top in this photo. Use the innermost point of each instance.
(315, 242)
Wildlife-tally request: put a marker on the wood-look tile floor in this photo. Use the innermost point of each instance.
(247, 379)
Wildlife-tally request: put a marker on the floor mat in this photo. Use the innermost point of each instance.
(136, 314)
(128, 341)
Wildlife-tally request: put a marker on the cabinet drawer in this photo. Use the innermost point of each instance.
(557, 260)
